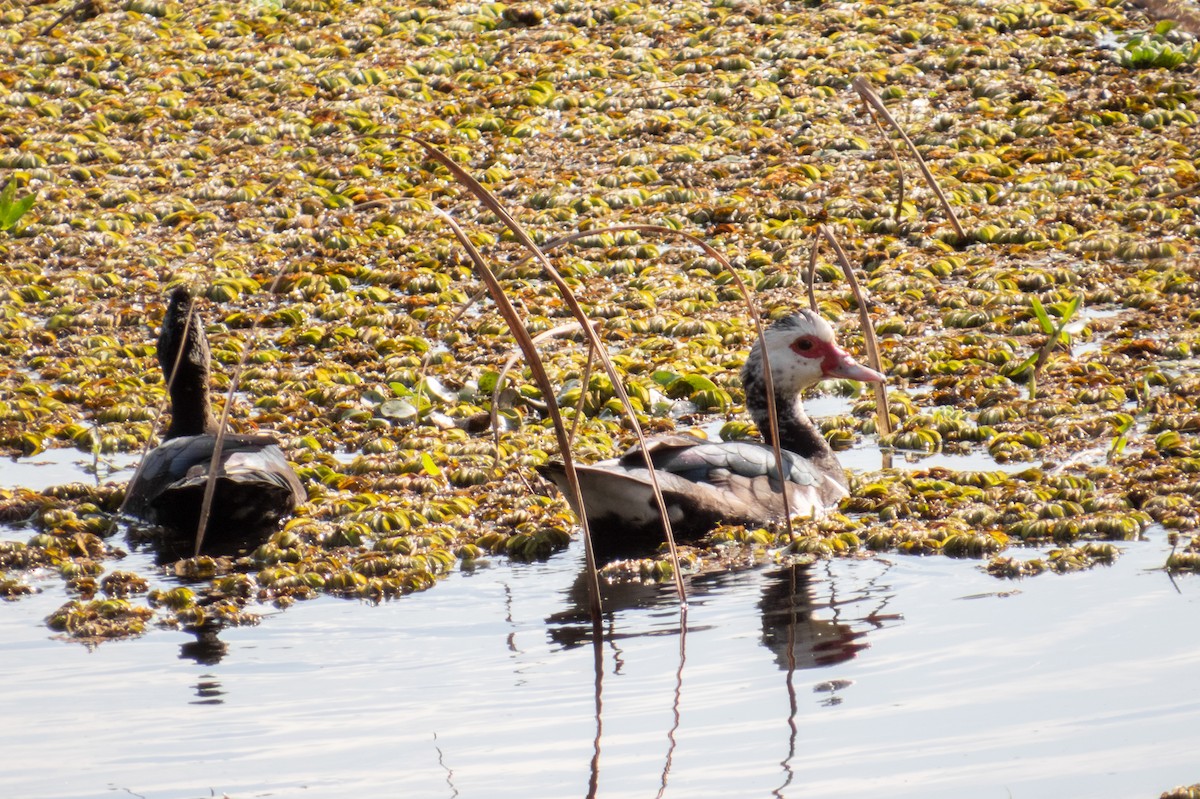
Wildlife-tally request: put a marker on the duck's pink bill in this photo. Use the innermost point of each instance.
(848, 368)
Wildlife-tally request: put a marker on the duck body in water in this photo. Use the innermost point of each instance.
(255, 488)
(706, 483)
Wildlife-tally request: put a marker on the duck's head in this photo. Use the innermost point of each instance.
(803, 352)
(178, 321)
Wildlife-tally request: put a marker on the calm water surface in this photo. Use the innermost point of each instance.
(898, 676)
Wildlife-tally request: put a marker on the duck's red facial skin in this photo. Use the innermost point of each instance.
(835, 361)
(810, 347)
(830, 355)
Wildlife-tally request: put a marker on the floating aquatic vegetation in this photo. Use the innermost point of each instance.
(13, 587)
(1156, 51)
(1186, 561)
(224, 144)
(100, 619)
(13, 208)
(1182, 792)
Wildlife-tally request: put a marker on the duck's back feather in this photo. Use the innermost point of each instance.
(694, 458)
(256, 487)
(703, 484)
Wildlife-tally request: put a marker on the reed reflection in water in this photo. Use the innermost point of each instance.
(806, 624)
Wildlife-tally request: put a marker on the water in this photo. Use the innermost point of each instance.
(64, 465)
(919, 677)
(867, 457)
(1080, 321)
(910, 677)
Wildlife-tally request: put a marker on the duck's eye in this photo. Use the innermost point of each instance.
(806, 347)
(803, 345)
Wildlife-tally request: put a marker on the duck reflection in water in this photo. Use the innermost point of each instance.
(572, 627)
(791, 628)
(804, 622)
(169, 545)
(208, 649)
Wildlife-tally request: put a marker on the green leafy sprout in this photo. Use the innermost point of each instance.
(12, 209)
(1055, 335)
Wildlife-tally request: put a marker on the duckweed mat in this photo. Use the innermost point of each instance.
(222, 145)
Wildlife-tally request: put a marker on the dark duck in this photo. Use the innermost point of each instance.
(255, 488)
(706, 483)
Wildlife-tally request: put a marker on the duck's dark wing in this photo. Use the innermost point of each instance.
(702, 461)
(703, 483)
(256, 487)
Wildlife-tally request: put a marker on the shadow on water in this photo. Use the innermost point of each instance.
(594, 764)
(208, 649)
(801, 640)
(793, 626)
(208, 691)
(572, 627)
(170, 545)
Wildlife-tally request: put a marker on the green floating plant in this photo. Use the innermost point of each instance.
(12, 209)
(1055, 335)
(1123, 423)
(1157, 51)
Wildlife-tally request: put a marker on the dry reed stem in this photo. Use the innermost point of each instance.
(720, 258)
(811, 275)
(494, 205)
(883, 423)
(210, 485)
(899, 166)
(525, 341)
(583, 392)
(872, 101)
(545, 335)
(85, 7)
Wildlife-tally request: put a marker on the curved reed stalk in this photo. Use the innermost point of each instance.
(494, 205)
(525, 341)
(754, 317)
(883, 422)
(545, 335)
(210, 487)
(876, 106)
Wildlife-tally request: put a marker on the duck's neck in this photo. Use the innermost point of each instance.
(179, 338)
(797, 433)
(191, 409)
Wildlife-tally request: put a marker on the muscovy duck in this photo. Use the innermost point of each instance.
(706, 482)
(256, 487)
